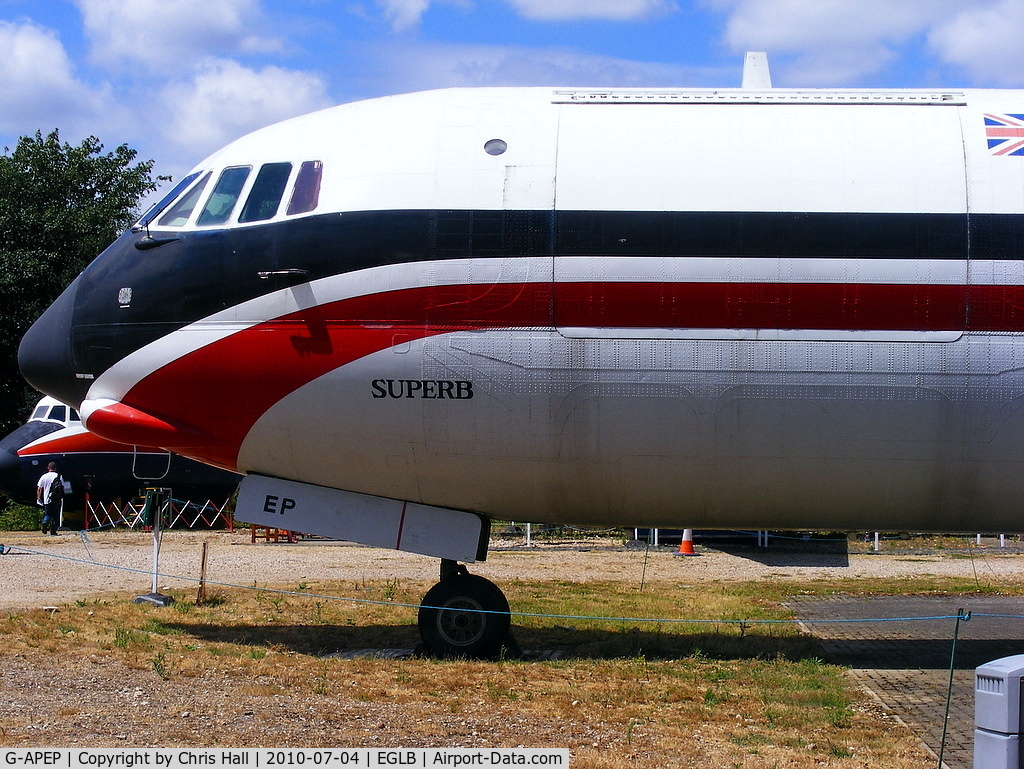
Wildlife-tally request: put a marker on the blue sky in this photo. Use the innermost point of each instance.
(176, 79)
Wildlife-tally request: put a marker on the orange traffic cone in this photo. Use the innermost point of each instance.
(686, 544)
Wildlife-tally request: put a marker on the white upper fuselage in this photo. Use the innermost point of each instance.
(634, 150)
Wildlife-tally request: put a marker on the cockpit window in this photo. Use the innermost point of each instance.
(306, 194)
(224, 196)
(182, 210)
(154, 212)
(265, 196)
(49, 411)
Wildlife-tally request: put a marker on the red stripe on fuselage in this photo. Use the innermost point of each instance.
(791, 306)
(78, 443)
(816, 306)
(223, 388)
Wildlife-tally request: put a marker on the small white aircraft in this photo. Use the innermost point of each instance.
(94, 466)
(404, 317)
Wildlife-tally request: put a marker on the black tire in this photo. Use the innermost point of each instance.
(464, 616)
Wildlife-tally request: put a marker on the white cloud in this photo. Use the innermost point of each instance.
(38, 88)
(395, 68)
(797, 24)
(834, 42)
(403, 14)
(169, 37)
(821, 42)
(225, 100)
(985, 41)
(615, 10)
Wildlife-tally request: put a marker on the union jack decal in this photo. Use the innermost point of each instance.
(1005, 134)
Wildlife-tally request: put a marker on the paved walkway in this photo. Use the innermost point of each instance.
(905, 663)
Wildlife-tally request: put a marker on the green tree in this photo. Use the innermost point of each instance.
(60, 206)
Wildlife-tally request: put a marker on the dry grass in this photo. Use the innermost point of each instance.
(723, 693)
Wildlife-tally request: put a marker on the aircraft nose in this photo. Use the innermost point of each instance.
(45, 356)
(10, 471)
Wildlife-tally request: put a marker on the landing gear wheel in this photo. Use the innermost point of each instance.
(464, 616)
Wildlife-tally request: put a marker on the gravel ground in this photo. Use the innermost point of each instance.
(41, 570)
(100, 701)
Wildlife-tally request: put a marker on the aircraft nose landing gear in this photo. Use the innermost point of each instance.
(463, 615)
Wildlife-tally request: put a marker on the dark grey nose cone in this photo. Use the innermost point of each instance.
(10, 471)
(17, 480)
(45, 356)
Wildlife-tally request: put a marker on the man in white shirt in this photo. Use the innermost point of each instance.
(44, 497)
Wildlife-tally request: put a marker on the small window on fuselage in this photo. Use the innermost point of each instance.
(39, 413)
(58, 413)
(182, 210)
(265, 195)
(306, 194)
(224, 196)
(73, 416)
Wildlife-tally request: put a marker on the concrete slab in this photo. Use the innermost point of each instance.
(899, 648)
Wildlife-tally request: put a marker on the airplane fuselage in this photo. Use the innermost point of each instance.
(779, 309)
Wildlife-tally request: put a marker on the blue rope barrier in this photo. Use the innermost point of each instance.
(531, 615)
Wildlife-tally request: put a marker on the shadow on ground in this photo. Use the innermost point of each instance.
(902, 654)
(781, 558)
(569, 643)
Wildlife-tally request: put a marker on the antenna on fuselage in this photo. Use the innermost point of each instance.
(756, 76)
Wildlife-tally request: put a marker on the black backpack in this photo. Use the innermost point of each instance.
(57, 489)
